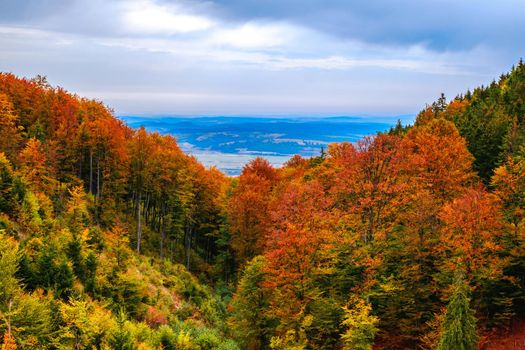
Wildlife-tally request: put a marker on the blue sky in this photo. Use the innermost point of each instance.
(249, 57)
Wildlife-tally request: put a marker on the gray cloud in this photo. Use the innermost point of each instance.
(261, 57)
(441, 24)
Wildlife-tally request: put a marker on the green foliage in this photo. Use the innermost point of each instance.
(459, 326)
(90, 268)
(490, 119)
(207, 339)
(28, 316)
(84, 324)
(51, 271)
(74, 253)
(31, 320)
(323, 333)
(250, 321)
(292, 339)
(30, 212)
(124, 292)
(9, 256)
(121, 337)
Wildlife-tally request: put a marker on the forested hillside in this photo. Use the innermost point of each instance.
(96, 220)
(113, 238)
(408, 239)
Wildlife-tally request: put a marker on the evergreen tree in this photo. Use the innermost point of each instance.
(459, 327)
(121, 338)
(90, 270)
(250, 321)
(74, 253)
(64, 280)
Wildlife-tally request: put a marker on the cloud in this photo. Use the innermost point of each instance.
(261, 57)
(148, 17)
(264, 50)
(440, 24)
(254, 35)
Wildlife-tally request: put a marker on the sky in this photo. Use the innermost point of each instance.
(262, 57)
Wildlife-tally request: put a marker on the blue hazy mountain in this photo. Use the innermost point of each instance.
(230, 142)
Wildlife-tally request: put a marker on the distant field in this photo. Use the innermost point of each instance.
(230, 142)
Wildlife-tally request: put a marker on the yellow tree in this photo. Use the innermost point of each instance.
(10, 137)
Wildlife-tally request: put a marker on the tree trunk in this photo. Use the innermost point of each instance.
(98, 180)
(188, 245)
(139, 227)
(162, 237)
(370, 231)
(91, 171)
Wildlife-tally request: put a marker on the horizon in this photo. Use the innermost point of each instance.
(297, 116)
(228, 143)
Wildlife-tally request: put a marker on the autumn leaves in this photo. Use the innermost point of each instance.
(404, 207)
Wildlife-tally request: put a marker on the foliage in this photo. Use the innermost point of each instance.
(459, 326)
(361, 325)
(250, 321)
(103, 230)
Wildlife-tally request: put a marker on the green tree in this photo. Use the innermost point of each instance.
(90, 268)
(121, 338)
(9, 284)
(74, 253)
(459, 327)
(23, 315)
(250, 321)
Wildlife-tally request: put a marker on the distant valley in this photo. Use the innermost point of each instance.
(230, 142)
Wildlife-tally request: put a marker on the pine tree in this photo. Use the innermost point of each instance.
(121, 339)
(90, 268)
(459, 327)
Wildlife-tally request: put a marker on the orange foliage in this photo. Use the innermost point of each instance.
(437, 159)
(154, 318)
(10, 137)
(9, 342)
(472, 227)
(456, 107)
(34, 167)
(509, 185)
(248, 209)
(367, 184)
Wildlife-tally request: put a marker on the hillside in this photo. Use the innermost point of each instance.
(113, 238)
(77, 268)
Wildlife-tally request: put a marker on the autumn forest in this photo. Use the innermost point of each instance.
(113, 238)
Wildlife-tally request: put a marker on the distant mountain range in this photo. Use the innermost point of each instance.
(230, 142)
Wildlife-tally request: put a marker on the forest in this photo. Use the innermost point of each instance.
(113, 238)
